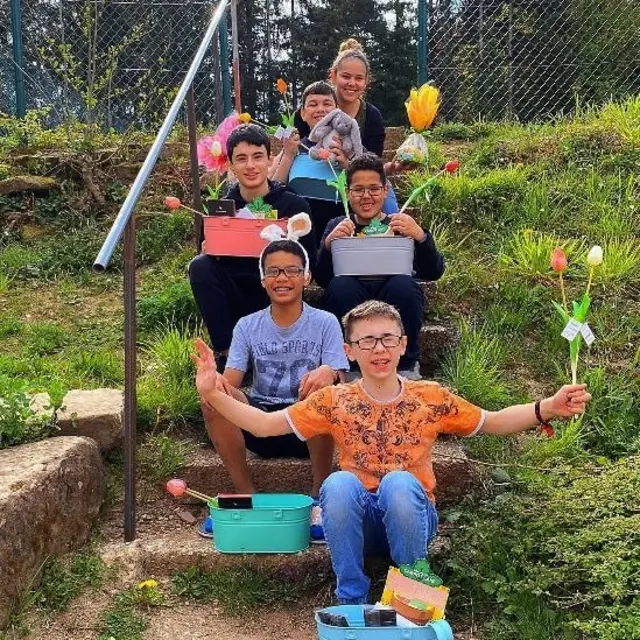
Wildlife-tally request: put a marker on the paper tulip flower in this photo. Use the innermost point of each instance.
(177, 487)
(173, 203)
(422, 107)
(282, 86)
(594, 259)
(558, 260)
(245, 118)
(452, 166)
(211, 155)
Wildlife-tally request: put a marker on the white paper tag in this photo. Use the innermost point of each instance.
(571, 330)
(279, 133)
(587, 334)
(288, 132)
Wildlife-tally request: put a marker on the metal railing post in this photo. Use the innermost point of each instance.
(130, 377)
(224, 65)
(125, 224)
(236, 56)
(193, 161)
(18, 59)
(423, 42)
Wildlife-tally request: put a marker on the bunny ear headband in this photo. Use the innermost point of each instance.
(297, 226)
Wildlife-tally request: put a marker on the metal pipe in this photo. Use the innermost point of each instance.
(193, 161)
(224, 66)
(130, 371)
(423, 46)
(236, 56)
(119, 224)
(18, 60)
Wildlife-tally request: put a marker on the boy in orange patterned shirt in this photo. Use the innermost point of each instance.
(384, 427)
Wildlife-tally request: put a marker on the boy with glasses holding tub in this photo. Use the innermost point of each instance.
(367, 189)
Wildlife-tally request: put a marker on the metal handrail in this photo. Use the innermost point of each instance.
(120, 223)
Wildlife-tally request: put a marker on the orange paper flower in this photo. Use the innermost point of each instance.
(173, 203)
(282, 86)
(245, 118)
(558, 260)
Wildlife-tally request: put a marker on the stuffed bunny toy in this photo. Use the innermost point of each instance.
(336, 124)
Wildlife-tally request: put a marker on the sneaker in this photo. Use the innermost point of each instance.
(206, 528)
(317, 530)
(421, 571)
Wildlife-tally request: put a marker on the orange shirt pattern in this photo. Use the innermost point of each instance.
(374, 438)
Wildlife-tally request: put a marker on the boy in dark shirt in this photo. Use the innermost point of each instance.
(367, 189)
(228, 288)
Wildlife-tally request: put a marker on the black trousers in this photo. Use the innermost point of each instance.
(346, 292)
(223, 298)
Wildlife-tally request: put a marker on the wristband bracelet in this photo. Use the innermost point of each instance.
(546, 427)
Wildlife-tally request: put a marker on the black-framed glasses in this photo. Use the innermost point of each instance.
(374, 191)
(290, 272)
(369, 343)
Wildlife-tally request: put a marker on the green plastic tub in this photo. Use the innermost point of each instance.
(277, 523)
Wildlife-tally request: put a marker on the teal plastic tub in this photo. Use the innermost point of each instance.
(277, 523)
(439, 630)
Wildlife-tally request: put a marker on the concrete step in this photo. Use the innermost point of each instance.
(313, 295)
(205, 472)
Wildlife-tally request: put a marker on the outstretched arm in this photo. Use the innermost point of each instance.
(210, 388)
(569, 401)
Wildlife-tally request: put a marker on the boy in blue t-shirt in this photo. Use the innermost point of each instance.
(293, 350)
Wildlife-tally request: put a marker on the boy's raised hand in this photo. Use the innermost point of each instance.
(338, 152)
(292, 144)
(207, 378)
(404, 225)
(344, 229)
(570, 400)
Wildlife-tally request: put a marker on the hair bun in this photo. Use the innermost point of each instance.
(351, 44)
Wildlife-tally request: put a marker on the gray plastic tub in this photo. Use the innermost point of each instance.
(373, 256)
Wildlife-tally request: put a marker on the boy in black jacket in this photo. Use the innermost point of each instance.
(228, 288)
(367, 190)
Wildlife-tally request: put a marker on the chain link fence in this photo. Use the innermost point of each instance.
(532, 59)
(115, 62)
(119, 62)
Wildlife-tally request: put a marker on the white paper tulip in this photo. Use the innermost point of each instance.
(594, 258)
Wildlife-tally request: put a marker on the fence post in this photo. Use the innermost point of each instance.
(236, 56)
(423, 42)
(18, 60)
(224, 65)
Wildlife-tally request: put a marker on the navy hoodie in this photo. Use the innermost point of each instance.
(287, 203)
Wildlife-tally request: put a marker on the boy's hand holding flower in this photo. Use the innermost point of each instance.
(345, 229)
(291, 145)
(404, 225)
(570, 400)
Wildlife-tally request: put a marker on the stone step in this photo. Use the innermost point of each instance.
(170, 553)
(314, 293)
(205, 472)
(435, 340)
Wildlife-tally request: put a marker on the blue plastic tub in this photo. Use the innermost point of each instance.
(439, 630)
(277, 523)
(308, 178)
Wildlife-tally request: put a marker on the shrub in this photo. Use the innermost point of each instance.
(18, 423)
(162, 235)
(161, 456)
(558, 559)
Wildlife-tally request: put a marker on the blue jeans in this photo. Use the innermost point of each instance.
(398, 519)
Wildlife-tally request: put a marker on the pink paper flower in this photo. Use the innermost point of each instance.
(177, 487)
(211, 155)
(452, 166)
(558, 260)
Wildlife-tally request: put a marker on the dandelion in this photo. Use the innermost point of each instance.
(147, 584)
(422, 107)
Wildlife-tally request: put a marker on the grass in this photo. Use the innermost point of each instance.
(240, 590)
(522, 191)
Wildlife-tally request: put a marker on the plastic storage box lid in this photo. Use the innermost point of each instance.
(438, 630)
(308, 178)
(373, 256)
